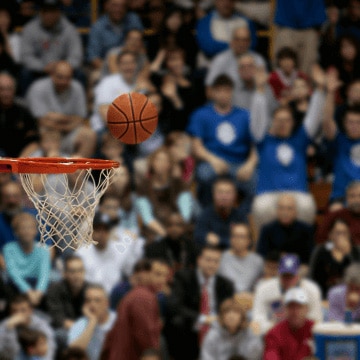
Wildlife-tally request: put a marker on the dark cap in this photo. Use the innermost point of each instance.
(50, 4)
(289, 264)
(102, 220)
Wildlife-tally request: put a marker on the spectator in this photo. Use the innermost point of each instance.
(109, 30)
(59, 103)
(286, 72)
(223, 145)
(74, 353)
(231, 335)
(298, 30)
(349, 213)
(291, 338)
(27, 264)
(11, 205)
(65, 298)
(349, 22)
(138, 324)
(177, 249)
(22, 314)
(282, 152)
(226, 62)
(46, 39)
(33, 344)
(161, 193)
(239, 264)
(330, 260)
(214, 30)
(268, 307)
(18, 128)
(344, 143)
(77, 11)
(108, 261)
(89, 332)
(213, 224)
(246, 88)
(271, 265)
(286, 234)
(111, 86)
(195, 302)
(151, 354)
(346, 296)
(7, 63)
(139, 276)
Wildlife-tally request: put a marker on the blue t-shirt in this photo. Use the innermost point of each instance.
(346, 164)
(225, 135)
(283, 163)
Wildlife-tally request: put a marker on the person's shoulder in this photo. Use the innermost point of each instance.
(222, 56)
(238, 111)
(100, 23)
(67, 25)
(33, 24)
(41, 85)
(256, 258)
(40, 322)
(203, 110)
(76, 86)
(337, 291)
(11, 246)
(268, 285)
(310, 286)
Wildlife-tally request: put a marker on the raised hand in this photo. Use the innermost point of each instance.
(318, 75)
(261, 77)
(332, 80)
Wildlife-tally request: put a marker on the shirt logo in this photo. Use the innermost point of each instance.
(285, 154)
(225, 133)
(355, 154)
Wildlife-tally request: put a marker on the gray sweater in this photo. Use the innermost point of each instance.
(219, 344)
(40, 46)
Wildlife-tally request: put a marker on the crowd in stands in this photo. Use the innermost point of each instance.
(210, 243)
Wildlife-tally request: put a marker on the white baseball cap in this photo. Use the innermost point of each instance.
(296, 295)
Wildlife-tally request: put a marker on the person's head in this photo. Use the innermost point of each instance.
(352, 122)
(353, 9)
(6, 20)
(179, 145)
(224, 193)
(150, 354)
(50, 141)
(116, 10)
(110, 207)
(175, 226)
(175, 61)
(141, 274)
(159, 274)
(11, 198)
(353, 197)
(286, 60)
(74, 272)
(240, 40)
(20, 304)
(296, 302)
(300, 89)
(289, 271)
(62, 76)
(122, 182)
(353, 93)
(25, 227)
(286, 210)
(156, 99)
(111, 148)
(225, 8)
(221, 91)
(97, 301)
(173, 19)
(247, 68)
(7, 90)
(127, 64)
(340, 235)
(74, 353)
(102, 227)
(352, 278)
(348, 48)
(50, 13)
(240, 237)
(208, 260)
(271, 264)
(160, 162)
(232, 316)
(32, 341)
(134, 40)
(283, 122)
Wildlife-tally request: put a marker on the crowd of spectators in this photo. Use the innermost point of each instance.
(209, 243)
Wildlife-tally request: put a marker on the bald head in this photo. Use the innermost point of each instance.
(11, 198)
(240, 40)
(286, 209)
(62, 76)
(7, 90)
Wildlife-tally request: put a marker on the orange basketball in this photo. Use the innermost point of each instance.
(132, 118)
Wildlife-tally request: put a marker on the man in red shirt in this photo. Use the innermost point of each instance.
(292, 337)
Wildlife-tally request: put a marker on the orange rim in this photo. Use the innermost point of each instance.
(43, 165)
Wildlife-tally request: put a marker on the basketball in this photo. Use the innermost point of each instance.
(132, 118)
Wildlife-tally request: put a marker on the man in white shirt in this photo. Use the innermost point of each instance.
(110, 259)
(269, 308)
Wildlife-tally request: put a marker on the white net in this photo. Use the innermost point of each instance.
(66, 204)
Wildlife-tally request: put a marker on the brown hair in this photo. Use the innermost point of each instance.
(232, 305)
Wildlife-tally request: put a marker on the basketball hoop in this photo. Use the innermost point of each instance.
(65, 192)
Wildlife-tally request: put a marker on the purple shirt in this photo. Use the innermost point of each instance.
(337, 305)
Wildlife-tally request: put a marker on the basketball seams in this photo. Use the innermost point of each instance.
(127, 123)
(133, 116)
(136, 121)
(143, 108)
(118, 108)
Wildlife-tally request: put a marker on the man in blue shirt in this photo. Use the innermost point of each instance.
(222, 143)
(110, 30)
